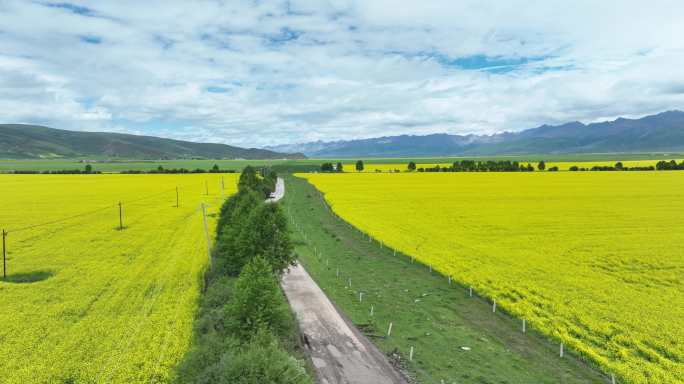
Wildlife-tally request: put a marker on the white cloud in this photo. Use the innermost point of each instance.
(258, 73)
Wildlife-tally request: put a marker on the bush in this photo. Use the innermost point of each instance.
(248, 179)
(263, 233)
(236, 209)
(257, 303)
(260, 361)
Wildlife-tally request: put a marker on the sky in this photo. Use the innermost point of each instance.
(258, 73)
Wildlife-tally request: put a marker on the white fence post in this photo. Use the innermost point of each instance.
(389, 330)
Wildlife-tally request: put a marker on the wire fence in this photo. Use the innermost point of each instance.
(525, 326)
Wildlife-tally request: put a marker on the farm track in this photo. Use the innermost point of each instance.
(340, 353)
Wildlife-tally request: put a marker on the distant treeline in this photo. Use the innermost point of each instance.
(160, 169)
(57, 172)
(245, 331)
(669, 165)
(509, 166)
(88, 170)
(477, 166)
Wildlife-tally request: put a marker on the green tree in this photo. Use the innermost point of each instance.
(327, 167)
(215, 168)
(249, 179)
(541, 166)
(263, 233)
(619, 166)
(257, 302)
(88, 168)
(411, 166)
(339, 167)
(359, 165)
(236, 209)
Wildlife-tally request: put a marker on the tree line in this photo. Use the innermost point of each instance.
(510, 166)
(160, 169)
(245, 331)
(88, 170)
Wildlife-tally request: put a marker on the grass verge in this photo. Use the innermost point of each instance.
(456, 338)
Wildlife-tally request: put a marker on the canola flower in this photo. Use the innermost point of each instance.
(85, 302)
(591, 259)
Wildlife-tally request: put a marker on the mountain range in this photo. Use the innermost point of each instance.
(663, 132)
(19, 141)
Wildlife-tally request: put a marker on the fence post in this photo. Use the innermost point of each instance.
(120, 217)
(177, 199)
(389, 330)
(561, 350)
(206, 232)
(206, 187)
(371, 311)
(411, 354)
(494, 306)
(4, 254)
(524, 329)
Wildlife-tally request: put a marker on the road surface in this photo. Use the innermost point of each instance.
(279, 191)
(339, 352)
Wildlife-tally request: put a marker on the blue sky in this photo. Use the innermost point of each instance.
(257, 73)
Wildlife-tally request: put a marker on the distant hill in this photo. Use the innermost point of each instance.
(663, 132)
(19, 141)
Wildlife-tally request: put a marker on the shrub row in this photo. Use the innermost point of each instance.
(57, 172)
(245, 332)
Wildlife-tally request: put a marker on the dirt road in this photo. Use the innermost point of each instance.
(340, 353)
(279, 191)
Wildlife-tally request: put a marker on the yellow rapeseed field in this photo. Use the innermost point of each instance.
(86, 303)
(592, 259)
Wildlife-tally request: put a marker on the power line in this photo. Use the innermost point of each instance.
(87, 213)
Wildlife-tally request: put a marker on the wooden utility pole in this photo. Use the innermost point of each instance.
(4, 254)
(206, 186)
(223, 185)
(206, 232)
(177, 200)
(120, 217)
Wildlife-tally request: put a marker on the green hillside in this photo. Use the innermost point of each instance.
(18, 141)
